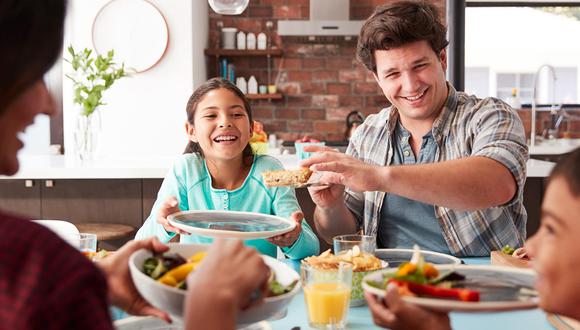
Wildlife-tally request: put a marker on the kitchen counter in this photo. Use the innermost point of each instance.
(65, 167)
(554, 147)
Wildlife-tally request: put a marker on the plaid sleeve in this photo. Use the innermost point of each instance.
(500, 135)
(354, 201)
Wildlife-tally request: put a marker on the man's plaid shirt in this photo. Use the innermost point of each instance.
(467, 126)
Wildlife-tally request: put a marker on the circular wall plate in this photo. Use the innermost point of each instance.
(135, 29)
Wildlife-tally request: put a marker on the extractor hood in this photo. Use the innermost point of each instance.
(328, 18)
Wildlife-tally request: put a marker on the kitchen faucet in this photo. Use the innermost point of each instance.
(534, 96)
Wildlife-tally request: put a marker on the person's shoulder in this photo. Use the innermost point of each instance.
(378, 119)
(189, 166)
(471, 103)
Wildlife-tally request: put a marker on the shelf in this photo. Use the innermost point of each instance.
(276, 96)
(243, 52)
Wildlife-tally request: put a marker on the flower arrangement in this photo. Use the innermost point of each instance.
(92, 76)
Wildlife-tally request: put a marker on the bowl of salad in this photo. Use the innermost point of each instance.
(161, 280)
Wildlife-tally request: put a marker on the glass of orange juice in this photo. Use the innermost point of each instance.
(327, 295)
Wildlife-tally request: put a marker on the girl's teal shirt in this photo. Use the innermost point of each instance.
(190, 182)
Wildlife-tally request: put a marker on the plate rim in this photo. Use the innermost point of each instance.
(218, 233)
(459, 306)
(441, 254)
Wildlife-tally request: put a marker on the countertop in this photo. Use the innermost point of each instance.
(66, 167)
(554, 147)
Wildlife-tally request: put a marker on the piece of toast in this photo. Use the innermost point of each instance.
(288, 178)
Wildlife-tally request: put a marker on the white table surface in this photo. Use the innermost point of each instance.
(153, 167)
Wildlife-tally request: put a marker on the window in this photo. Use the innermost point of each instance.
(506, 44)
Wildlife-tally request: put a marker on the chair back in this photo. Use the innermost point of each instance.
(66, 230)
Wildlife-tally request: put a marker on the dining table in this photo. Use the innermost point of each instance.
(360, 317)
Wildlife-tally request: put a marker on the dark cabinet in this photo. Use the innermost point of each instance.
(21, 197)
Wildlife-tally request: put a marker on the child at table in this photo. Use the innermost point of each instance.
(219, 171)
(553, 249)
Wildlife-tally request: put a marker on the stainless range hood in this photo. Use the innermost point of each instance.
(328, 18)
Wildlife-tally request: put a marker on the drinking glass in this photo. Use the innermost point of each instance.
(327, 295)
(86, 243)
(346, 242)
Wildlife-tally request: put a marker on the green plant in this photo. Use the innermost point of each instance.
(92, 76)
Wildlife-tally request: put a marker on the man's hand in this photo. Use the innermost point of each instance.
(290, 237)
(343, 170)
(122, 291)
(393, 313)
(169, 206)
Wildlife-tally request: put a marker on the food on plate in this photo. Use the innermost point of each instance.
(361, 261)
(420, 278)
(172, 269)
(97, 256)
(519, 253)
(290, 178)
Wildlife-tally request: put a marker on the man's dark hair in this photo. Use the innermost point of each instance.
(569, 169)
(31, 33)
(399, 23)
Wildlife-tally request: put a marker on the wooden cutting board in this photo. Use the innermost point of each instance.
(501, 259)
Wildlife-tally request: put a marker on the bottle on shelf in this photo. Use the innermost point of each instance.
(252, 85)
(241, 40)
(514, 99)
(262, 41)
(242, 85)
(251, 41)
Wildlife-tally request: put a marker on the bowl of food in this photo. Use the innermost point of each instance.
(160, 279)
(363, 263)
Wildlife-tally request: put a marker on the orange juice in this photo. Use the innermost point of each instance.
(327, 303)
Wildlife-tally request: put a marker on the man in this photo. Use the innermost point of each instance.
(439, 168)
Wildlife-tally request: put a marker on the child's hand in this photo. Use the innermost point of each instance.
(290, 237)
(169, 207)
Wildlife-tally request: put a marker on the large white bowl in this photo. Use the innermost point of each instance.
(172, 300)
(395, 257)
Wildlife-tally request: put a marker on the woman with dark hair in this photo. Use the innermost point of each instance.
(220, 172)
(44, 282)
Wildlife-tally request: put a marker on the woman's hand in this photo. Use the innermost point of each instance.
(168, 207)
(289, 238)
(393, 313)
(122, 291)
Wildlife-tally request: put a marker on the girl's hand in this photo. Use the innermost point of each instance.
(394, 313)
(289, 238)
(169, 207)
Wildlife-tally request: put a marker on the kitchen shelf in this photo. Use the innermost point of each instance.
(276, 96)
(242, 52)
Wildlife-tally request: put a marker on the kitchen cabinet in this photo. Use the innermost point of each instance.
(21, 197)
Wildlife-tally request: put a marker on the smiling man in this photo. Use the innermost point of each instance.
(439, 168)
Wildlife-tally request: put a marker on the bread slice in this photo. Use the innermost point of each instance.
(288, 178)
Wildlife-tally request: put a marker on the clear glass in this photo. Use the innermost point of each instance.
(346, 242)
(301, 154)
(86, 135)
(86, 243)
(229, 7)
(327, 295)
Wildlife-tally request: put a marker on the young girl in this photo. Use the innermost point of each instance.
(218, 171)
(553, 249)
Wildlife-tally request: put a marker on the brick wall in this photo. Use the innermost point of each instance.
(321, 83)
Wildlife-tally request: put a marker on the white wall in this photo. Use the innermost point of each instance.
(144, 114)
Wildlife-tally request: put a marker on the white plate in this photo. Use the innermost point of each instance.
(231, 224)
(395, 257)
(479, 274)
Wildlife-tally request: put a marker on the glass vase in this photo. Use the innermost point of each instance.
(86, 135)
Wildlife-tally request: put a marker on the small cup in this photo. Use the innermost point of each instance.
(229, 37)
(263, 89)
(272, 89)
(327, 295)
(86, 243)
(365, 243)
(300, 153)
